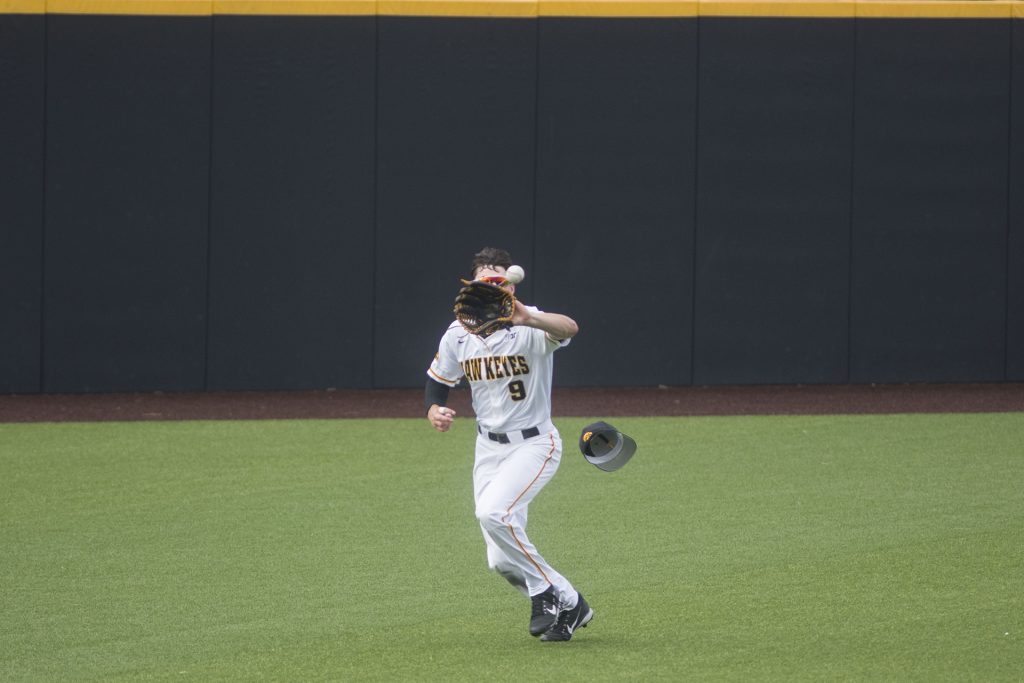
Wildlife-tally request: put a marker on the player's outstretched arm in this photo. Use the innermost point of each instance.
(557, 325)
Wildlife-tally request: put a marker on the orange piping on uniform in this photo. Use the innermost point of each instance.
(528, 556)
(509, 510)
(443, 379)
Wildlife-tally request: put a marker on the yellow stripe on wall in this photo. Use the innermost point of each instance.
(945, 9)
(22, 6)
(618, 8)
(201, 8)
(775, 8)
(296, 7)
(866, 9)
(526, 9)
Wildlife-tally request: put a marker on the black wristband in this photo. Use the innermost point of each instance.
(435, 392)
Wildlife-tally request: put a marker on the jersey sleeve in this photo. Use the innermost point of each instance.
(446, 368)
(556, 344)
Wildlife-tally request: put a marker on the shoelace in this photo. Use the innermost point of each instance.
(542, 604)
(567, 618)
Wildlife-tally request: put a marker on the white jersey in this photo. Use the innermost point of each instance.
(509, 372)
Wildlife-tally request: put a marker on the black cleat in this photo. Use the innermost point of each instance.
(544, 613)
(569, 620)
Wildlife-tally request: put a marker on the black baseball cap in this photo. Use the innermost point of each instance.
(605, 447)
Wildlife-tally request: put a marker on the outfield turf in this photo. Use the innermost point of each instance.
(886, 548)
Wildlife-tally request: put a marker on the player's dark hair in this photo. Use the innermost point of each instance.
(490, 256)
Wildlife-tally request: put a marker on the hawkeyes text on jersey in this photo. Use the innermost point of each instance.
(494, 367)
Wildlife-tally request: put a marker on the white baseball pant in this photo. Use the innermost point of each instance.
(506, 477)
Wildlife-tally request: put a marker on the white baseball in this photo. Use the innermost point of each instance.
(515, 274)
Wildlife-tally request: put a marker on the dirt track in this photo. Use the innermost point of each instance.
(567, 402)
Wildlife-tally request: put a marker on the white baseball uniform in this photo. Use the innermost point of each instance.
(518, 448)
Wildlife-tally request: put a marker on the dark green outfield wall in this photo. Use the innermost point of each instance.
(1015, 241)
(774, 172)
(126, 210)
(292, 218)
(930, 191)
(614, 229)
(243, 202)
(22, 123)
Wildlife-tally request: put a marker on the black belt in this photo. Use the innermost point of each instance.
(503, 438)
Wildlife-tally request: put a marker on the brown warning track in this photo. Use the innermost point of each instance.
(566, 402)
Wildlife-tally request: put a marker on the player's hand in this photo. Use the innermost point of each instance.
(521, 316)
(441, 417)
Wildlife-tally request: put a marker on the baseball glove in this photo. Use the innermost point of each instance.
(482, 307)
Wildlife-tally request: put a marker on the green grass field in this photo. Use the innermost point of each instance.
(886, 548)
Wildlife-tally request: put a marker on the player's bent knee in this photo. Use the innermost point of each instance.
(512, 575)
(491, 519)
(500, 565)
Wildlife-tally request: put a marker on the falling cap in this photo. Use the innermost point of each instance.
(605, 447)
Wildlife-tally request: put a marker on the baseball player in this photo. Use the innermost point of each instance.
(518, 448)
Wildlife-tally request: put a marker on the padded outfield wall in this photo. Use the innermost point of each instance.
(280, 194)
